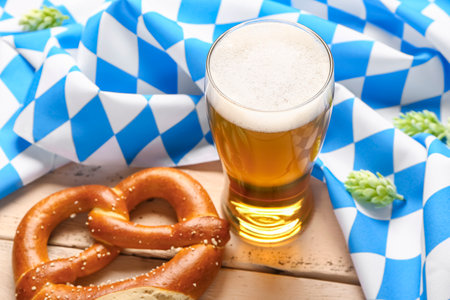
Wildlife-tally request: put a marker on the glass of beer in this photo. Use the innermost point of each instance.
(269, 90)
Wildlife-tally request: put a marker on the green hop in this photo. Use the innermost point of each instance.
(364, 186)
(37, 19)
(425, 121)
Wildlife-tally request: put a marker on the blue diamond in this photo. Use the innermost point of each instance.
(50, 110)
(70, 38)
(391, 92)
(401, 279)
(323, 28)
(136, 135)
(271, 8)
(375, 153)
(221, 28)
(34, 40)
(198, 11)
(183, 137)
(18, 76)
(90, 32)
(111, 78)
(349, 20)
(436, 216)
(157, 68)
(10, 182)
(431, 104)
(413, 17)
(368, 235)
(340, 130)
(90, 129)
(196, 53)
(165, 31)
(126, 13)
(409, 183)
(351, 59)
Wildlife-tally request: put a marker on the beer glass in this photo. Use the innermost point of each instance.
(269, 89)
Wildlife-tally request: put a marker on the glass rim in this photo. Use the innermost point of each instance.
(301, 27)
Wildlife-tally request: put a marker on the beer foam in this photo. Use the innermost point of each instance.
(269, 70)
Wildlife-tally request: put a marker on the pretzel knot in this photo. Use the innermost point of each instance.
(199, 230)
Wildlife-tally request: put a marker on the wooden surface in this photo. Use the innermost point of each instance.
(316, 265)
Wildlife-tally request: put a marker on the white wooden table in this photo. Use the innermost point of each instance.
(317, 265)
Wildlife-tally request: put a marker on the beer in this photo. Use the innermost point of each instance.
(269, 91)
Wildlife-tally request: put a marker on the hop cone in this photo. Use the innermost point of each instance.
(366, 187)
(426, 121)
(38, 19)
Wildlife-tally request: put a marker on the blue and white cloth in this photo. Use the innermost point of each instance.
(121, 83)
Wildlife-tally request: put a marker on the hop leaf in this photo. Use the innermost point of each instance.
(364, 186)
(422, 122)
(37, 19)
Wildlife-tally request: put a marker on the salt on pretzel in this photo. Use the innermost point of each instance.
(197, 218)
(32, 267)
(186, 276)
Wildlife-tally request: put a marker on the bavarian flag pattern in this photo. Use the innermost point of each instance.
(120, 83)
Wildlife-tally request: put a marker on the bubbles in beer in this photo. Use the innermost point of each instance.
(269, 67)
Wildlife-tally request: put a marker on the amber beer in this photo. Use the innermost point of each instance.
(269, 90)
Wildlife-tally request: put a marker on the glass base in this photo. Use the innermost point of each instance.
(267, 223)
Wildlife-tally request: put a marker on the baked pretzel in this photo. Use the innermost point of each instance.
(186, 276)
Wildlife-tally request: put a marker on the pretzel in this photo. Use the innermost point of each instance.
(186, 276)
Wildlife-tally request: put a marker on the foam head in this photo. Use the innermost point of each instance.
(267, 66)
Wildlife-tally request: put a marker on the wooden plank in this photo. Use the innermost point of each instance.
(229, 283)
(320, 251)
